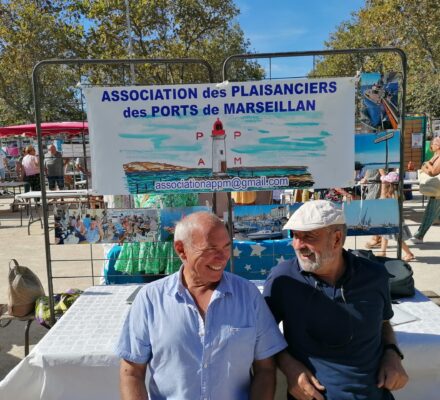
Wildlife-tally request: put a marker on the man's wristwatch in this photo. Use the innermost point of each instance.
(392, 346)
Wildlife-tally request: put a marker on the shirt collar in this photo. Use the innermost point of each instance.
(176, 284)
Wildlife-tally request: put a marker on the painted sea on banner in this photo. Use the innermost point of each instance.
(236, 136)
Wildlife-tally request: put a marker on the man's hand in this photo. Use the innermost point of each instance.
(301, 383)
(392, 375)
(305, 386)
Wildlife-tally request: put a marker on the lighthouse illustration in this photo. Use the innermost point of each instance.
(218, 148)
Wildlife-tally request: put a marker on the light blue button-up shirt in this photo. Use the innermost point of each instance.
(189, 358)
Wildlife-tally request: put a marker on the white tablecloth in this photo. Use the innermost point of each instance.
(75, 360)
(420, 343)
(54, 194)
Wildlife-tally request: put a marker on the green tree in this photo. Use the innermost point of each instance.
(34, 30)
(413, 26)
(31, 31)
(201, 29)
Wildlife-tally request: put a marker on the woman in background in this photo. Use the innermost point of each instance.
(432, 211)
(389, 192)
(31, 168)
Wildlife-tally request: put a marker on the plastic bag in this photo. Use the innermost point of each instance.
(62, 302)
(429, 185)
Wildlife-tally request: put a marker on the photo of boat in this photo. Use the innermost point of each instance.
(260, 222)
(372, 217)
(265, 234)
(378, 105)
(375, 94)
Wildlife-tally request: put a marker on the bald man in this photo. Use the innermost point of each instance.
(54, 167)
(201, 330)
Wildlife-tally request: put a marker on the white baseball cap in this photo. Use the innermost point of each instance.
(315, 214)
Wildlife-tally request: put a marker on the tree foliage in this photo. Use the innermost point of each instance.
(33, 30)
(202, 29)
(29, 32)
(413, 26)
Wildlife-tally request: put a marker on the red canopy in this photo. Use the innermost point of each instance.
(47, 128)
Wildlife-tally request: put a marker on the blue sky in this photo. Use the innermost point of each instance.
(291, 25)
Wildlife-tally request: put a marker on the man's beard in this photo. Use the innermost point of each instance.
(313, 266)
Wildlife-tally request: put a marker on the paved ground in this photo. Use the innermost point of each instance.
(29, 251)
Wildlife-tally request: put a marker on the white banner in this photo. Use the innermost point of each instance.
(261, 135)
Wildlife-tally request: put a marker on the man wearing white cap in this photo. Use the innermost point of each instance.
(335, 309)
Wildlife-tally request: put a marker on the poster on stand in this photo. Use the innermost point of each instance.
(378, 105)
(78, 226)
(261, 222)
(236, 136)
(377, 150)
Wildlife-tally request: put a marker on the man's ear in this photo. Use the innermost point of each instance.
(180, 249)
(338, 238)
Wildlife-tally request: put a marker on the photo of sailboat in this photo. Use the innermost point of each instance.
(379, 101)
(372, 217)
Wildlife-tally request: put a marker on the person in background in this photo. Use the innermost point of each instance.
(335, 308)
(276, 196)
(432, 211)
(19, 170)
(80, 165)
(31, 168)
(372, 190)
(94, 232)
(54, 166)
(83, 165)
(339, 195)
(201, 330)
(68, 173)
(389, 192)
(3, 167)
(87, 220)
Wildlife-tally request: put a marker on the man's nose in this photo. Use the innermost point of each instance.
(223, 255)
(298, 243)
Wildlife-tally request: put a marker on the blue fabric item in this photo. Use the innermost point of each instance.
(189, 358)
(339, 340)
(86, 221)
(254, 260)
(113, 277)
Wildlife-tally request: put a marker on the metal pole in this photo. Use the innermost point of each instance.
(402, 143)
(35, 92)
(231, 232)
(130, 40)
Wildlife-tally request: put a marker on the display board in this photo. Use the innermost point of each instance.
(237, 136)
